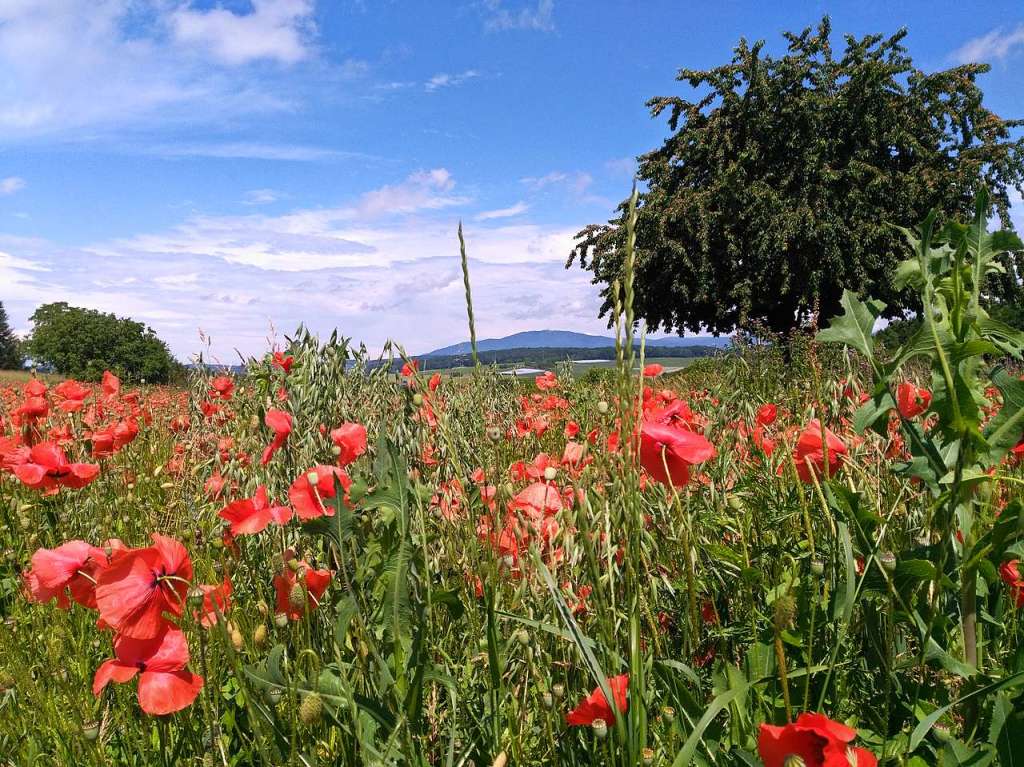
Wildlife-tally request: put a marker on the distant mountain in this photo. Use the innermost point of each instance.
(557, 339)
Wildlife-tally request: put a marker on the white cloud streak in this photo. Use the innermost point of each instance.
(11, 184)
(996, 45)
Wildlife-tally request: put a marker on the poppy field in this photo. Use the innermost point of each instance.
(785, 556)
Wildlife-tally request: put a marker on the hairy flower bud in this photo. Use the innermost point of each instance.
(311, 709)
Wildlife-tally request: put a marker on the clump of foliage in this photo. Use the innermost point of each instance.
(82, 343)
(10, 347)
(764, 203)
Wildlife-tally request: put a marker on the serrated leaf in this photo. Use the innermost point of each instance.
(854, 327)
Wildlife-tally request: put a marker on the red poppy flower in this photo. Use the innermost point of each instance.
(537, 500)
(222, 387)
(307, 496)
(766, 414)
(409, 368)
(281, 423)
(165, 685)
(252, 515)
(141, 585)
(911, 400)
(214, 485)
(350, 439)
(816, 740)
(33, 408)
(216, 601)
(653, 370)
(315, 583)
(73, 395)
(280, 360)
(35, 388)
(546, 381)
(1010, 573)
(71, 567)
(434, 382)
(677, 449)
(48, 468)
(595, 705)
(111, 384)
(13, 453)
(810, 456)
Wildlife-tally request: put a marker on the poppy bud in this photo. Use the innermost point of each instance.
(335, 450)
(648, 756)
(297, 597)
(735, 502)
(237, 640)
(558, 690)
(91, 730)
(259, 635)
(262, 609)
(274, 695)
(794, 760)
(281, 620)
(547, 699)
(523, 637)
(493, 433)
(818, 566)
(888, 560)
(602, 407)
(600, 728)
(417, 399)
(550, 473)
(311, 708)
(313, 478)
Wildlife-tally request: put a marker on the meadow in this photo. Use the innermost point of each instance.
(792, 554)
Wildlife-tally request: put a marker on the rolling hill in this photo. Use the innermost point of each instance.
(567, 339)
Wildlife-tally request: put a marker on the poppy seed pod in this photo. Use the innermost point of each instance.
(91, 730)
(547, 699)
(281, 620)
(558, 690)
(550, 473)
(297, 596)
(311, 709)
(888, 560)
(313, 478)
(417, 400)
(523, 637)
(274, 695)
(335, 450)
(602, 407)
(818, 566)
(600, 728)
(493, 433)
(648, 756)
(794, 760)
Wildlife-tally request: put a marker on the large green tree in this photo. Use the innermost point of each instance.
(10, 349)
(83, 343)
(769, 196)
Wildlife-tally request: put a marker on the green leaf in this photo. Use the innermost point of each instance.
(854, 327)
(929, 721)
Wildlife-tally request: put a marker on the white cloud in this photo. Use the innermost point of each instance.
(996, 45)
(538, 17)
(11, 184)
(536, 183)
(276, 30)
(513, 210)
(382, 265)
(81, 67)
(244, 150)
(261, 196)
(445, 80)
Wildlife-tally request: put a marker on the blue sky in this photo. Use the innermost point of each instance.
(238, 167)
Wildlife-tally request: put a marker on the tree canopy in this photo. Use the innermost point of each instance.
(773, 192)
(82, 343)
(10, 348)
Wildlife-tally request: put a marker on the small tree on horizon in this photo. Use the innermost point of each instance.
(10, 346)
(773, 192)
(82, 343)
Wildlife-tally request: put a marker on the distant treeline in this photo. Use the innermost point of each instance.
(547, 357)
